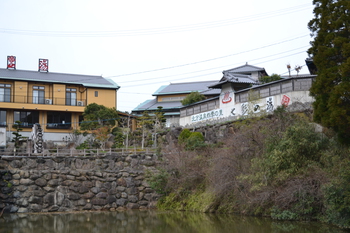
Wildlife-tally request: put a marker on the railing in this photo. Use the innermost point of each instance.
(40, 100)
(59, 152)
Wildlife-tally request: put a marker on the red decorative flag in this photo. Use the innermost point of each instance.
(285, 101)
(11, 62)
(44, 65)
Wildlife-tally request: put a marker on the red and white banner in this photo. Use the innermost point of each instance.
(11, 62)
(44, 65)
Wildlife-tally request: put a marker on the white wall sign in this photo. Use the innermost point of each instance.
(207, 115)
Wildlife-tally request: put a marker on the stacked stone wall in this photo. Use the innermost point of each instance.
(47, 184)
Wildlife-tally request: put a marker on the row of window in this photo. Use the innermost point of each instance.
(39, 94)
(55, 120)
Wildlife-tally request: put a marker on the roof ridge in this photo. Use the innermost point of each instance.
(33, 71)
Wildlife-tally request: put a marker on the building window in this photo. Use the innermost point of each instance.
(96, 93)
(59, 120)
(38, 95)
(71, 96)
(27, 118)
(81, 119)
(5, 92)
(2, 118)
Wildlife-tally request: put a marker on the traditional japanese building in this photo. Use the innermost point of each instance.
(169, 98)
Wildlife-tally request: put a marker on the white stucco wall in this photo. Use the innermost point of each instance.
(236, 109)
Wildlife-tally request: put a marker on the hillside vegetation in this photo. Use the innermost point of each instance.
(280, 166)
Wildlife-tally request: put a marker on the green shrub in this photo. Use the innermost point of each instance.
(337, 196)
(191, 140)
(159, 181)
(299, 147)
(195, 141)
(184, 135)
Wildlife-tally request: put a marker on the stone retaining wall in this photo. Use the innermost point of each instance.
(46, 184)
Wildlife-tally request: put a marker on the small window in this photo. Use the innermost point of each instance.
(2, 118)
(5, 92)
(96, 93)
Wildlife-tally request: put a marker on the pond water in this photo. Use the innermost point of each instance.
(153, 222)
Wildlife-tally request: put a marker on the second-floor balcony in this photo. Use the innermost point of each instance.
(42, 100)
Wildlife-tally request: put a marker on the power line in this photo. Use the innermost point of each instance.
(212, 59)
(162, 30)
(187, 78)
(173, 75)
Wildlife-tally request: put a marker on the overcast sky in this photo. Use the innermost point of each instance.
(143, 45)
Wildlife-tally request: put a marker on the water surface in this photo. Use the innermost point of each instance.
(154, 222)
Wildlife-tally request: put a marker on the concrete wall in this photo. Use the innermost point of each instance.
(46, 184)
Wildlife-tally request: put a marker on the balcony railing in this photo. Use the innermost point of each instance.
(39, 100)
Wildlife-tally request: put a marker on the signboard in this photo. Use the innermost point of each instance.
(207, 115)
(11, 62)
(285, 101)
(43, 65)
(227, 97)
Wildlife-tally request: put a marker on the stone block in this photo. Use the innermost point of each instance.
(88, 206)
(36, 200)
(73, 196)
(95, 190)
(26, 181)
(53, 182)
(102, 195)
(132, 206)
(49, 199)
(111, 199)
(121, 201)
(88, 195)
(132, 198)
(40, 182)
(83, 189)
(98, 201)
(22, 210)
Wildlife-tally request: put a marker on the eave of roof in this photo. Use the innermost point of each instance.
(281, 80)
(52, 77)
(152, 105)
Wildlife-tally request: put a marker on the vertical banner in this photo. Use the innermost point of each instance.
(11, 62)
(43, 65)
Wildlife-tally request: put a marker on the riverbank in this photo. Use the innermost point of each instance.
(281, 166)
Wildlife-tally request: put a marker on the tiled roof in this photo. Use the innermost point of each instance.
(153, 105)
(86, 80)
(245, 69)
(234, 78)
(188, 87)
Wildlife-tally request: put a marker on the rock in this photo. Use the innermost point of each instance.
(132, 206)
(22, 210)
(26, 181)
(97, 201)
(40, 182)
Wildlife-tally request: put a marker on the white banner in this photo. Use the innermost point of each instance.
(207, 115)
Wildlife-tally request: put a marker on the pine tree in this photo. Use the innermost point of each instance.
(330, 51)
(193, 97)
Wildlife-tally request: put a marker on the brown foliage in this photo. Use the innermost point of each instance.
(220, 169)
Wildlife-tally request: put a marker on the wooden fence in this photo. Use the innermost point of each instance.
(57, 152)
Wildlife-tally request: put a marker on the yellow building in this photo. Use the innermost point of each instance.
(54, 100)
